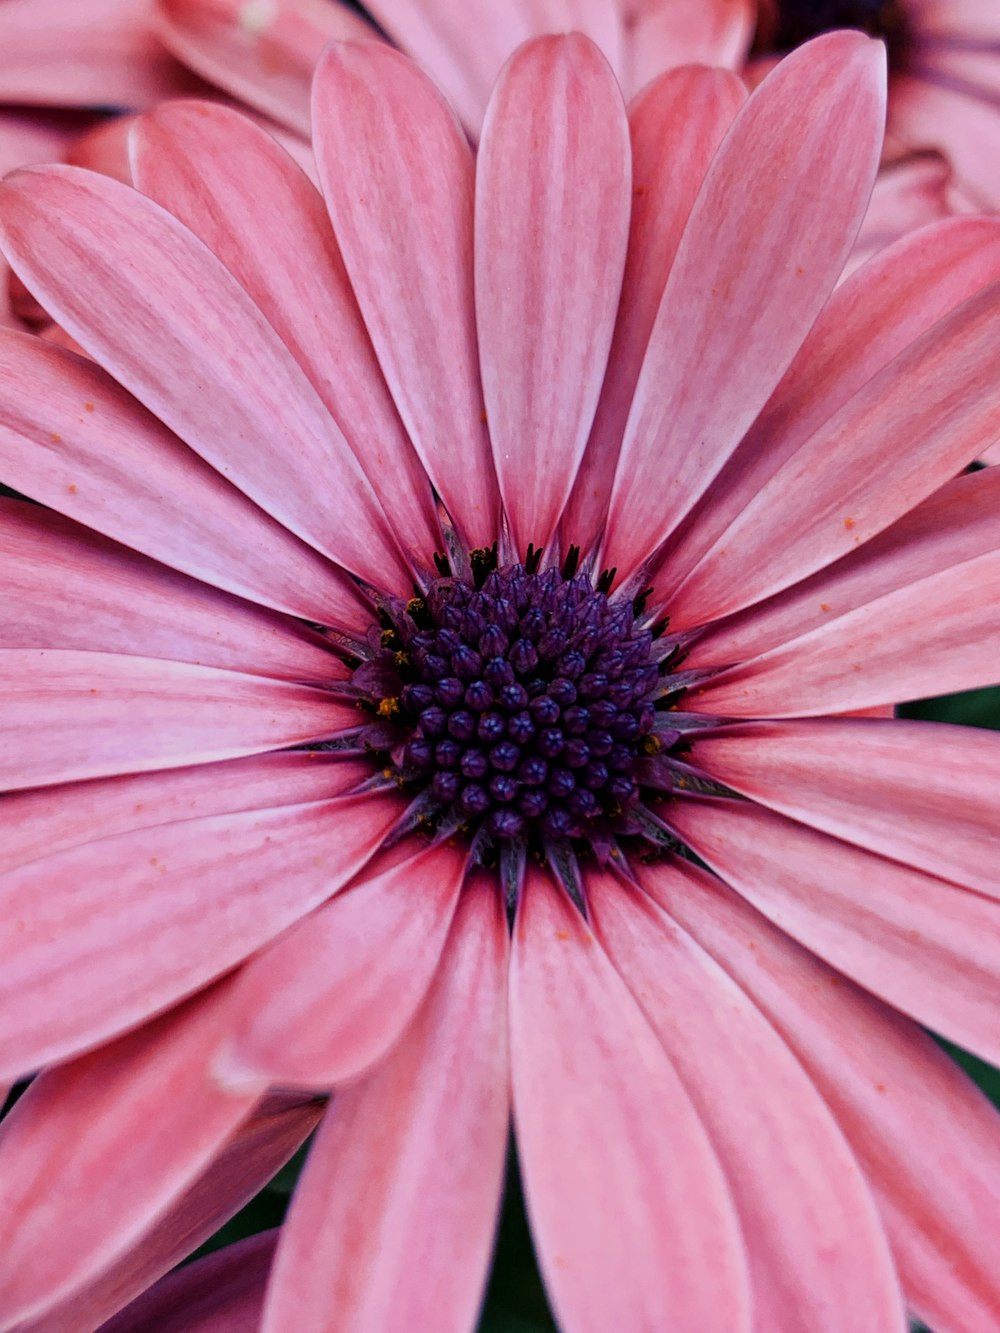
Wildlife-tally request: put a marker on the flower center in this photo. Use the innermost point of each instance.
(520, 701)
(792, 22)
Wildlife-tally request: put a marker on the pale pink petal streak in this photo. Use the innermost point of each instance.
(818, 1256)
(107, 934)
(918, 942)
(76, 1156)
(552, 213)
(331, 996)
(926, 1137)
(667, 171)
(397, 174)
(74, 440)
(67, 715)
(709, 369)
(211, 168)
(221, 377)
(626, 1198)
(262, 51)
(393, 1220)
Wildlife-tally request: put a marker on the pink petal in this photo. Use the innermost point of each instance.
(869, 321)
(82, 1174)
(222, 1293)
(65, 587)
(210, 167)
(938, 634)
(956, 524)
(43, 821)
(818, 1256)
(919, 943)
(68, 715)
(264, 55)
(107, 934)
(912, 192)
(102, 53)
(72, 439)
(917, 792)
(552, 217)
(255, 416)
(916, 423)
(707, 374)
(625, 1194)
(679, 32)
(329, 998)
(965, 128)
(667, 169)
(392, 1223)
(397, 173)
(260, 1147)
(924, 1134)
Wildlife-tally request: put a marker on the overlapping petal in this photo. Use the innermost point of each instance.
(393, 1221)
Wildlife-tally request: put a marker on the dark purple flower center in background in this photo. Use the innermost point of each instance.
(792, 22)
(519, 701)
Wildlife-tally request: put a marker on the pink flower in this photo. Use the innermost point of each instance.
(311, 667)
(944, 74)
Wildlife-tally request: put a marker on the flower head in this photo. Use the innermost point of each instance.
(505, 532)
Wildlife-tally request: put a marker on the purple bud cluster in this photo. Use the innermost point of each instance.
(527, 703)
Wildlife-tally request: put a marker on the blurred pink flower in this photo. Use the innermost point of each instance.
(311, 666)
(944, 74)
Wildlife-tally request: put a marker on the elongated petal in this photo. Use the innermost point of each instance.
(106, 934)
(83, 1176)
(43, 821)
(332, 995)
(956, 524)
(707, 374)
(909, 194)
(222, 1293)
(69, 715)
(74, 440)
(911, 428)
(921, 944)
(668, 169)
(393, 1220)
(211, 167)
(867, 323)
(924, 1134)
(624, 1191)
(260, 1147)
(64, 587)
(918, 792)
(263, 54)
(102, 53)
(397, 173)
(818, 1255)
(220, 377)
(937, 634)
(682, 32)
(552, 216)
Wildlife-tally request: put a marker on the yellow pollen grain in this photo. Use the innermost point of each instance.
(388, 707)
(72, 488)
(88, 407)
(824, 606)
(848, 523)
(55, 437)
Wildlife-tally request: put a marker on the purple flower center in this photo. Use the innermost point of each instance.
(520, 701)
(796, 21)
